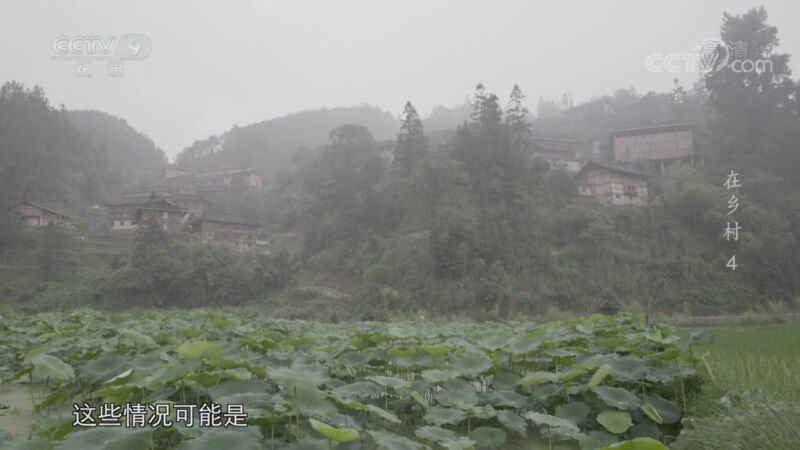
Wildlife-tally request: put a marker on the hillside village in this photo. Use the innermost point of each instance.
(179, 201)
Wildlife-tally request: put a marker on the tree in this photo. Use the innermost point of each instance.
(412, 145)
(517, 118)
(149, 239)
(747, 103)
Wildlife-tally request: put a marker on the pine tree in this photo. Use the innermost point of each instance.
(412, 145)
(478, 102)
(517, 118)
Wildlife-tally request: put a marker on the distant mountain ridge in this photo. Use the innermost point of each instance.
(270, 145)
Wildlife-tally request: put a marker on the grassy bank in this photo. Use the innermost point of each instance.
(754, 398)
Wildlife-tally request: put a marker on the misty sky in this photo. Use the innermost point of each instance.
(219, 63)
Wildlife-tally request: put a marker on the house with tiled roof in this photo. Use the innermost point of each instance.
(612, 184)
(38, 214)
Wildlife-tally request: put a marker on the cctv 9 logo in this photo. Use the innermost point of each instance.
(130, 47)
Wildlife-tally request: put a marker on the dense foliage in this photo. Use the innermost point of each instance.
(406, 386)
(467, 221)
(478, 225)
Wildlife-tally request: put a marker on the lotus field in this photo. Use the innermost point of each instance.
(590, 384)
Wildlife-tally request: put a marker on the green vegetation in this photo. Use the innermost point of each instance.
(584, 384)
(465, 222)
(757, 359)
(751, 401)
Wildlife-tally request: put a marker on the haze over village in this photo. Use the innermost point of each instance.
(399, 225)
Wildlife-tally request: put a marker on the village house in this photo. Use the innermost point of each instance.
(41, 215)
(659, 144)
(564, 154)
(612, 184)
(143, 192)
(241, 233)
(195, 204)
(131, 214)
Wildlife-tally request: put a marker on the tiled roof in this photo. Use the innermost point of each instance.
(611, 167)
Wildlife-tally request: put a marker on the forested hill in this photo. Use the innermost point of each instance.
(44, 156)
(67, 157)
(270, 145)
(132, 156)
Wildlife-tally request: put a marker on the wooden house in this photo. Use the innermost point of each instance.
(566, 154)
(241, 233)
(662, 143)
(131, 214)
(612, 184)
(41, 215)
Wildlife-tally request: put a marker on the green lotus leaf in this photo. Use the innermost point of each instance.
(462, 443)
(167, 373)
(629, 368)
(617, 397)
(559, 434)
(308, 443)
(457, 392)
(537, 378)
(438, 375)
(505, 380)
(599, 375)
(444, 416)
(107, 439)
(290, 377)
(651, 412)
(140, 339)
(513, 422)
(522, 344)
(496, 342)
(642, 443)
(234, 387)
(199, 350)
(223, 439)
(669, 411)
(310, 401)
(388, 441)
(393, 382)
(550, 421)
(102, 368)
(488, 436)
(356, 359)
(506, 398)
(596, 439)
(359, 389)
(645, 429)
(436, 434)
(472, 363)
(402, 331)
(616, 422)
(435, 350)
(48, 366)
(576, 412)
(257, 404)
(337, 434)
(34, 444)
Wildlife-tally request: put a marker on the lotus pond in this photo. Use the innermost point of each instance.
(602, 382)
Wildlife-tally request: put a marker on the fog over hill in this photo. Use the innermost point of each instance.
(271, 145)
